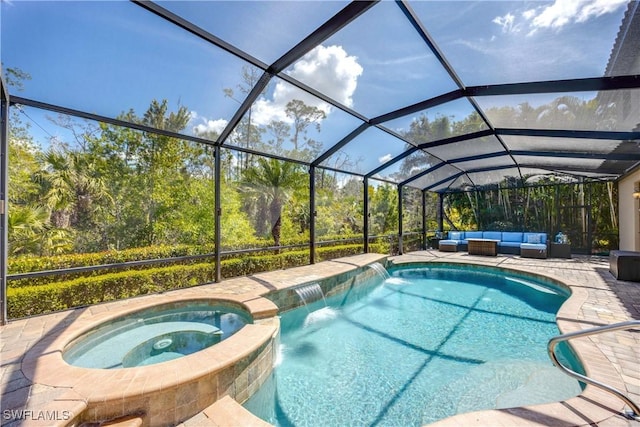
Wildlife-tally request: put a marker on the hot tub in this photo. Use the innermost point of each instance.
(155, 335)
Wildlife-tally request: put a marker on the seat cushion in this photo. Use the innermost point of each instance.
(473, 235)
(504, 244)
(537, 246)
(512, 236)
(535, 238)
(448, 242)
(493, 235)
(456, 235)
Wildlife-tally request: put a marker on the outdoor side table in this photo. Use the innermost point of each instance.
(560, 250)
(434, 242)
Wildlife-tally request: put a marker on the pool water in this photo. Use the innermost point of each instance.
(425, 344)
(154, 335)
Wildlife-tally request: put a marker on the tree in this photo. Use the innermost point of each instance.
(71, 188)
(303, 117)
(383, 209)
(275, 180)
(30, 232)
(422, 130)
(246, 134)
(149, 175)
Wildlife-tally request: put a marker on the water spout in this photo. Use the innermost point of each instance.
(380, 270)
(310, 293)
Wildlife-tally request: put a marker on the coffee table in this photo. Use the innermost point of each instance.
(487, 247)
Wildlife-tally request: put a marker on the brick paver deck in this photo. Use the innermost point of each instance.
(603, 300)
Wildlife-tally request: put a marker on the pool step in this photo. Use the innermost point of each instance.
(503, 383)
(134, 420)
(127, 421)
(225, 412)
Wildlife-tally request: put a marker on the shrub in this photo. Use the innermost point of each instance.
(31, 300)
(81, 291)
(27, 264)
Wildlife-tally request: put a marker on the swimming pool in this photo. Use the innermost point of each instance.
(422, 345)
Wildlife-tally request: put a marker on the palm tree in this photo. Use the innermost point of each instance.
(31, 233)
(72, 188)
(275, 180)
(26, 224)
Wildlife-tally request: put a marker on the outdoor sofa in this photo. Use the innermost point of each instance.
(529, 245)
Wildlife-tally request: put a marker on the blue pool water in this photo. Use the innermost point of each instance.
(155, 335)
(425, 344)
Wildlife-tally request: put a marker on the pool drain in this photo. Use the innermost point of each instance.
(162, 344)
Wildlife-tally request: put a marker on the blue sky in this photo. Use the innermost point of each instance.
(108, 57)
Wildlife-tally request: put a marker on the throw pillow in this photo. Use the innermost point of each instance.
(533, 238)
(454, 235)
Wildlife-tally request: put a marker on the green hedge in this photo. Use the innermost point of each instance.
(30, 263)
(27, 264)
(38, 299)
(31, 300)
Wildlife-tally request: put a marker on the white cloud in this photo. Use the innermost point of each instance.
(529, 14)
(563, 12)
(385, 158)
(507, 23)
(599, 7)
(329, 70)
(400, 61)
(215, 126)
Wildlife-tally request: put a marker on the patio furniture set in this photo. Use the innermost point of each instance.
(528, 245)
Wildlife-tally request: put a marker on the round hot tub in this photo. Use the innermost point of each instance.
(155, 335)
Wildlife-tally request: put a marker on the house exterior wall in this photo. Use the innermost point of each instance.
(629, 212)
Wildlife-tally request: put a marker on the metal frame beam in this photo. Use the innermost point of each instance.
(577, 134)
(331, 151)
(4, 196)
(16, 100)
(424, 219)
(217, 209)
(522, 165)
(595, 84)
(400, 195)
(197, 31)
(419, 106)
(312, 215)
(579, 155)
(326, 30)
(253, 95)
(365, 214)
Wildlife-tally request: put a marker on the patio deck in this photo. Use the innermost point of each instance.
(598, 299)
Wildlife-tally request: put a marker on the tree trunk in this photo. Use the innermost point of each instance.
(275, 213)
(612, 206)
